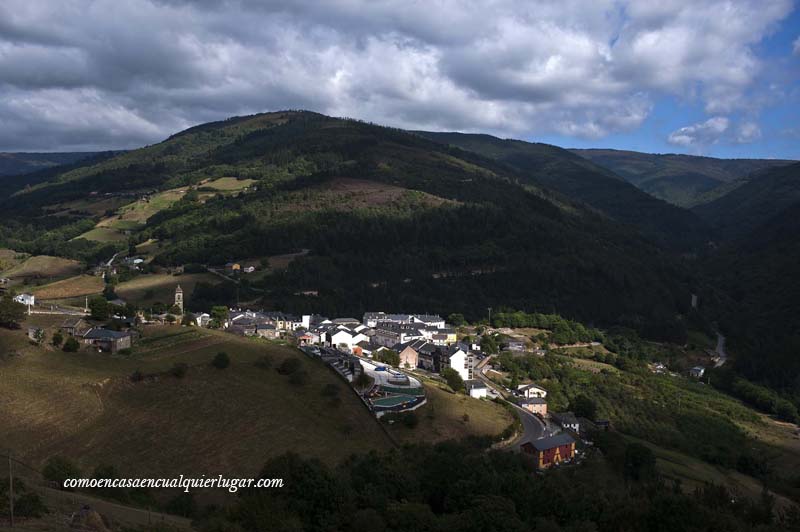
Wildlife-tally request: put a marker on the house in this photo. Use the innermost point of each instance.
(372, 319)
(244, 326)
(535, 405)
(516, 345)
(551, 451)
(458, 358)
(390, 334)
(267, 330)
(25, 299)
(529, 391)
(344, 338)
(567, 421)
(476, 388)
(427, 356)
(303, 338)
(249, 269)
(233, 267)
(108, 340)
(74, 326)
(697, 372)
(202, 319)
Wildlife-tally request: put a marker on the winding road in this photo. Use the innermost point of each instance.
(533, 428)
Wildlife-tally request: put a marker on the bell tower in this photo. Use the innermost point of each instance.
(179, 298)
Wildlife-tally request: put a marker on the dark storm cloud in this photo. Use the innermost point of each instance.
(120, 73)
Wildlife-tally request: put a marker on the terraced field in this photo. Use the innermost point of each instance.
(42, 267)
(81, 285)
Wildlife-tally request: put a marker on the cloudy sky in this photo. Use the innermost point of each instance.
(713, 77)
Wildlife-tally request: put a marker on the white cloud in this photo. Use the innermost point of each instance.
(700, 134)
(748, 132)
(796, 46)
(577, 68)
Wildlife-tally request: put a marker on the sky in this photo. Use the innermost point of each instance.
(713, 77)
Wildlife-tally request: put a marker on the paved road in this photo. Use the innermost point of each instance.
(723, 355)
(533, 428)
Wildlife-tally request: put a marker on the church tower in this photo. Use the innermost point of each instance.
(179, 298)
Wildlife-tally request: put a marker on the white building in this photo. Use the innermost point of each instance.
(476, 388)
(460, 360)
(531, 391)
(25, 299)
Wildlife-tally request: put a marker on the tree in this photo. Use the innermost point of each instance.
(188, 319)
(58, 469)
(488, 344)
(39, 336)
(457, 319)
(640, 462)
(388, 356)
(786, 411)
(11, 312)
(583, 406)
(99, 308)
(453, 379)
(71, 345)
(221, 361)
(219, 314)
(179, 370)
(57, 339)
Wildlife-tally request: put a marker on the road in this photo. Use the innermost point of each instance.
(723, 355)
(533, 428)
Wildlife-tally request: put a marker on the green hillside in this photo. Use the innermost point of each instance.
(390, 219)
(25, 163)
(754, 202)
(684, 180)
(758, 275)
(580, 179)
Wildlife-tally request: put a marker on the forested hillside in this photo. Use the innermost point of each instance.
(580, 179)
(430, 226)
(759, 275)
(25, 163)
(753, 203)
(684, 180)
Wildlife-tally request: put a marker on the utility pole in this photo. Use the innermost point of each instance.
(10, 490)
(490, 316)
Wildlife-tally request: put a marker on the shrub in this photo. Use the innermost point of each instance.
(298, 378)
(29, 505)
(221, 361)
(137, 376)
(453, 379)
(57, 339)
(179, 370)
(125, 352)
(71, 345)
(289, 365)
(264, 362)
(58, 469)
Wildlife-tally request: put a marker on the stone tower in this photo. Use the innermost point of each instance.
(179, 298)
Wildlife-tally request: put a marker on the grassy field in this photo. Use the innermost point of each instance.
(81, 285)
(229, 184)
(694, 473)
(147, 289)
(43, 266)
(212, 421)
(103, 234)
(442, 418)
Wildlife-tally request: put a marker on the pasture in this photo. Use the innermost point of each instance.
(78, 286)
(43, 267)
(86, 407)
(148, 289)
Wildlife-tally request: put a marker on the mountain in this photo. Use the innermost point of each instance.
(581, 179)
(25, 163)
(683, 180)
(758, 273)
(390, 220)
(754, 202)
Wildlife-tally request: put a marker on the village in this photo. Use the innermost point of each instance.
(383, 356)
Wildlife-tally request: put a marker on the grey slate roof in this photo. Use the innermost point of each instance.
(552, 441)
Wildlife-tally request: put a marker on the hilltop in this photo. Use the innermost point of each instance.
(684, 180)
(428, 225)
